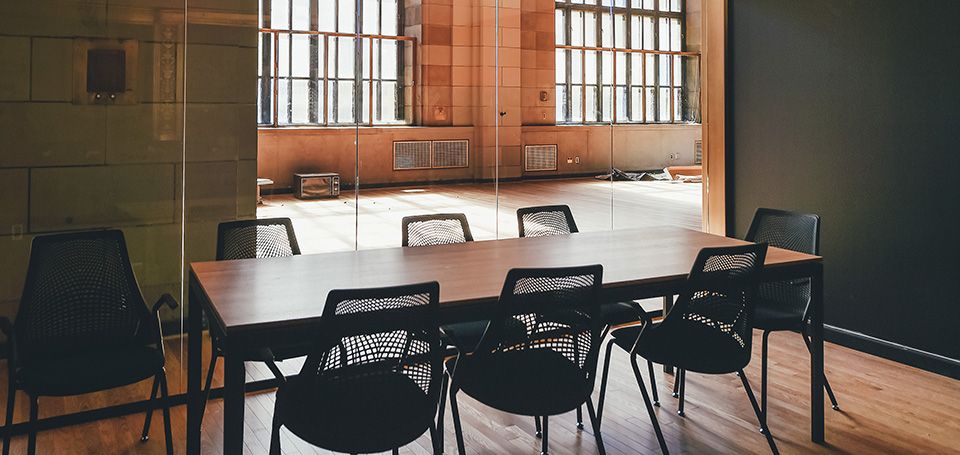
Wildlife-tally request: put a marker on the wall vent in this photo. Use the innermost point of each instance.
(411, 155)
(540, 158)
(698, 152)
(451, 154)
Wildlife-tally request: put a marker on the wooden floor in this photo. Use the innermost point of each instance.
(374, 222)
(886, 408)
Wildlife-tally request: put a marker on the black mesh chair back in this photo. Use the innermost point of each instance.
(559, 310)
(375, 373)
(545, 220)
(80, 296)
(437, 229)
(253, 239)
(717, 306)
(792, 231)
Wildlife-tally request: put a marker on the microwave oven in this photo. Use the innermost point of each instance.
(316, 186)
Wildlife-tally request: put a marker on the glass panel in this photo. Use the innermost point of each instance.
(560, 29)
(590, 29)
(326, 20)
(390, 18)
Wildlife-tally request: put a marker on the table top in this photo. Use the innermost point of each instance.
(255, 293)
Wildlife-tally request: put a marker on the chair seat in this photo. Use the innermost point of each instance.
(532, 382)
(616, 313)
(465, 336)
(766, 316)
(373, 414)
(689, 346)
(96, 371)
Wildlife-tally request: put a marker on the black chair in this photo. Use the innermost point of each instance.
(549, 368)
(784, 305)
(445, 229)
(83, 326)
(254, 239)
(372, 380)
(548, 220)
(709, 330)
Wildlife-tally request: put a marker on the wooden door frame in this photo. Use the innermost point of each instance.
(713, 99)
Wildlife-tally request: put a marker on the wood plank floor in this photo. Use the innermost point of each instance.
(374, 221)
(886, 408)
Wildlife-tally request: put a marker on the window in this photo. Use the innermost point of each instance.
(623, 61)
(316, 69)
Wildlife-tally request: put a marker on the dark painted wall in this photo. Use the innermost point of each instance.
(849, 109)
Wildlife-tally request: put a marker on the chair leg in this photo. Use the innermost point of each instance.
(167, 427)
(440, 410)
(595, 422)
(145, 434)
(653, 384)
(676, 383)
(437, 448)
(763, 379)
(756, 409)
(208, 384)
(32, 438)
(8, 423)
(396, 451)
(579, 418)
(603, 382)
(458, 429)
(545, 441)
(682, 374)
(646, 402)
(275, 434)
(826, 383)
(536, 424)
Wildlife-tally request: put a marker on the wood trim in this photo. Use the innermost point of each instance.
(713, 86)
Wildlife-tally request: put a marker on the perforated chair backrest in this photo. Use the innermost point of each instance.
(792, 231)
(436, 229)
(368, 334)
(253, 239)
(80, 296)
(719, 298)
(545, 220)
(559, 308)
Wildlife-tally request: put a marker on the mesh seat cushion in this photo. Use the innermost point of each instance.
(90, 372)
(529, 382)
(374, 414)
(771, 316)
(689, 346)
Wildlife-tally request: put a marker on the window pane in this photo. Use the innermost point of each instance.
(576, 104)
(389, 18)
(300, 56)
(300, 15)
(562, 103)
(606, 30)
(590, 67)
(675, 44)
(620, 31)
(560, 29)
(388, 102)
(561, 66)
(590, 30)
(345, 57)
(389, 56)
(576, 28)
(280, 15)
(606, 71)
(636, 71)
(345, 102)
(621, 59)
(664, 69)
(591, 103)
(648, 33)
(637, 104)
(371, 17)
(606, 103)
(576, 67)
(651, 104)
(300, 102)
(622, 104)
(664, 44)
(636, 33)
(664, 102)
(346, 16)
(283, 95)
(651, 70)
(326, 20)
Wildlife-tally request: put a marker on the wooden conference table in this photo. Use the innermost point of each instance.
(269, 302)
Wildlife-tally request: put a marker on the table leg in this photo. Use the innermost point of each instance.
(816, 355)
(667, 305)
(194, 365)
(233, 392)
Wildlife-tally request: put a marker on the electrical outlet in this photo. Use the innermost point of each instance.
(17, 231)
(569, 160)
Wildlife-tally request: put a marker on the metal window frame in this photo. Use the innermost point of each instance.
(328, 94)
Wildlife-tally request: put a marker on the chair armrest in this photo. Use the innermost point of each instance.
(165, 299)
